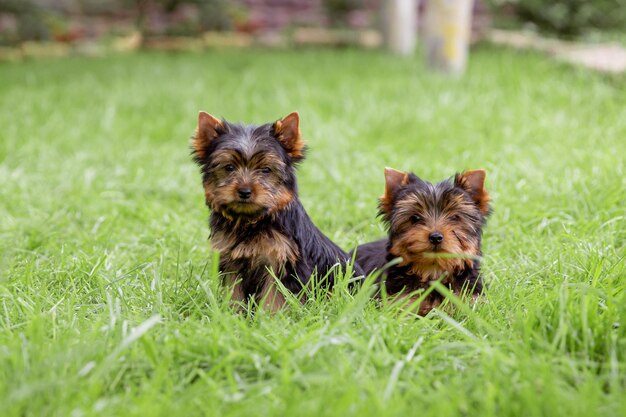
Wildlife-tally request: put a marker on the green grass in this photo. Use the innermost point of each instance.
(109, 303)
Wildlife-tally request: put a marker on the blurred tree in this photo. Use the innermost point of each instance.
(31, 24)
(212, 14)
(399, 25)
(98, 7)
(338, 10)
(569, 17)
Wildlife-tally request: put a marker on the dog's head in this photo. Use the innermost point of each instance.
(435, 228)
(248, 171)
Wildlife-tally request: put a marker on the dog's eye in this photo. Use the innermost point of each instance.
(455, 218)
(266, 170)
(229, 168)
(415, 219)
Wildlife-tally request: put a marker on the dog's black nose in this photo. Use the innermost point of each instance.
(435, 238)
(244, 193)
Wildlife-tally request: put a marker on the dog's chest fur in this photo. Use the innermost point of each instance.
(247, 262)
(269, 248)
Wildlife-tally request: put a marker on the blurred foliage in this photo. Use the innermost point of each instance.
(214, 14)
(210, 15)
(30, 21)
(36, 20)
(569, 17)
(103, 6)
(338, 10)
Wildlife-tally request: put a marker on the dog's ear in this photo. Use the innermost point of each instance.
(287, 133)
(208, 129)
(473, 182)
(394, 180)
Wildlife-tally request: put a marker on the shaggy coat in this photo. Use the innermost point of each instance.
(435, 230)
(257, 222)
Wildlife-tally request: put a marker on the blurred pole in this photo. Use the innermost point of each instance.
(399, 18)
(447, 34)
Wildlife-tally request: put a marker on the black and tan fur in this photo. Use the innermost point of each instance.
(257, 223)
(435, 230)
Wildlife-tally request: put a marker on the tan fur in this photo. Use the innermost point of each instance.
(287, 131)
(427, 264)
(415, 217)
(394, 179)
(415, 249)
(268, 194)
(205, 133)
(474, 183)
(233, 282)
(208, 194)
(271, 248)
(278, 200)
(282, 199)
(270, 296)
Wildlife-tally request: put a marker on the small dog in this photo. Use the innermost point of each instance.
(257, 223)
(435, 229)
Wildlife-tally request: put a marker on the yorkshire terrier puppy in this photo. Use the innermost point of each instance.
(257, 223)
(435, 230)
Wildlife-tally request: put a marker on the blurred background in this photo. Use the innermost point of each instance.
(59, 27)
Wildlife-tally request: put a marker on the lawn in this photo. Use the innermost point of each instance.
(109, 296)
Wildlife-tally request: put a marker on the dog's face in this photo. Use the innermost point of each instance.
(248, 171)
(435, 226)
